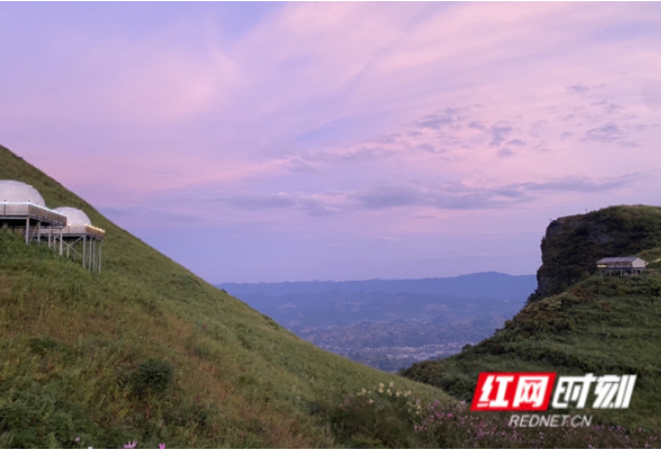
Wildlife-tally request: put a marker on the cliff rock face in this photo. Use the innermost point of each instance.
(572, 245)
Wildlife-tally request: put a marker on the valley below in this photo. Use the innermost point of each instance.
(391, 324)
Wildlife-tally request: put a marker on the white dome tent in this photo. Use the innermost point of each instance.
(74, 215)
(79, 238)
(17, 192)
(23, 208)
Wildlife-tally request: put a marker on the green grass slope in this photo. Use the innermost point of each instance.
(604, 325)
(147, 351)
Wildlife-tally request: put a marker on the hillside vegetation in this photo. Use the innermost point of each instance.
(147, 351)
(591, 323)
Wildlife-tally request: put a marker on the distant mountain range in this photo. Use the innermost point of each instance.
(391, 323)
(485, 284)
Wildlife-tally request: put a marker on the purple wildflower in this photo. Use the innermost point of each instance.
(77, 439)
(161, 446)
(131, 444)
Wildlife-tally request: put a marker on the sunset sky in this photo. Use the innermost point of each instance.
(338, 141)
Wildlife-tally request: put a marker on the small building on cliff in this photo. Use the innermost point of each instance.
(621, 265)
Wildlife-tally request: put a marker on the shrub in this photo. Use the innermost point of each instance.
(153, 376)
(381, 418)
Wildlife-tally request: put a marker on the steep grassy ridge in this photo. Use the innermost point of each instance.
(147, 351)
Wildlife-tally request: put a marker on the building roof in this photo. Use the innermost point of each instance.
(619, 260)
(17, 192)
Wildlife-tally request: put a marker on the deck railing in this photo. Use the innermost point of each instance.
(32, 211)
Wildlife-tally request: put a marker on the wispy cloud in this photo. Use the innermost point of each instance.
(399, 198)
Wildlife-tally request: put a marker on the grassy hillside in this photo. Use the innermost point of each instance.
(147, 351)
(603, 325)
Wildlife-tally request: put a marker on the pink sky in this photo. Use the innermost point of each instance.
(298, 141)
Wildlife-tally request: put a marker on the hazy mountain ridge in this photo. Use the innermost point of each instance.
(485, 284)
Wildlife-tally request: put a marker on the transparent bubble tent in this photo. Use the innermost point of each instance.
(65, 229)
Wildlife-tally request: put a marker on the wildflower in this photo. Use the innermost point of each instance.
(389, 392)
(77, 439)
(131, 444)
(161, 446)
(391, 384)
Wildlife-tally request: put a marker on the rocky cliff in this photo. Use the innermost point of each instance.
(572, 245)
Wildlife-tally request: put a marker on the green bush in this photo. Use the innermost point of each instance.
(383, 418)
(153, 376)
